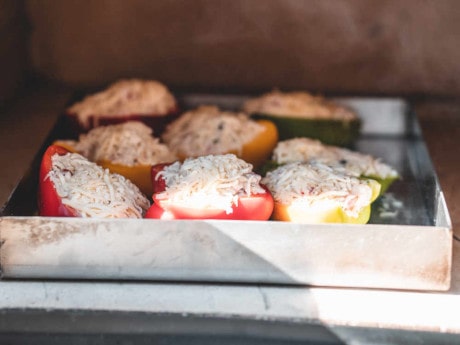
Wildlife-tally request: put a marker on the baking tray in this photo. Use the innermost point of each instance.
(406, 245)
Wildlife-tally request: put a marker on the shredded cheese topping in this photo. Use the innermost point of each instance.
(126, 97)
(355, 163)
(208, 130)
(304, 184)
(93, 191)
(130, 144)
(209, 182)
(297, 104)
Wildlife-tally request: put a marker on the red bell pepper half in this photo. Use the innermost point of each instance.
(254, 207)
(49, 202)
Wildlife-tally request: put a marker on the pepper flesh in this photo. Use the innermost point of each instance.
(254, 207)
(316, 215)
(138, 174)
(49, 202)
(324, 211)
(385, 183)
(259, 149)
(329, 131)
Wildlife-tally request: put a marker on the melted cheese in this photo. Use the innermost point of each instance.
(297, 104)
(126, 97)
(93, 191)
(128, 144)
(304, 184)
(355, 163)
(208, 130)
(209, 182)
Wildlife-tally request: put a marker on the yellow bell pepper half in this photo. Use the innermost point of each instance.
(324, 211)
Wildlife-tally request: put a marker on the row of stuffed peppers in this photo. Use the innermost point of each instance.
(208, 187)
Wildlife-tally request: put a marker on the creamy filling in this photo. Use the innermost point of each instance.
(93, 191)
(355, 163)
(208, 130)
(297, 104)
(304, 185)
(209, 182)
(130, 144)
(126, 97)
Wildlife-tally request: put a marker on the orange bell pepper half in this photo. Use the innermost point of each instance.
(138, 174)
(259, 149)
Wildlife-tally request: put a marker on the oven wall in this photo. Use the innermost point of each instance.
(355, 46)
(13, 47)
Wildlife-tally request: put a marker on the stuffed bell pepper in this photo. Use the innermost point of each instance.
(209, 187)
(353, 163)
(72, 186)
(128, 149)
(315, 193)
(208, 130)
(148, 101)
(302, 114)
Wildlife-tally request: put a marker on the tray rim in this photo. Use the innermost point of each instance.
(35, 251)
